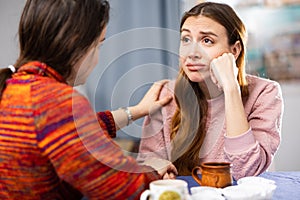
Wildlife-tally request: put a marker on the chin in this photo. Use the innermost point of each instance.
(196, 79)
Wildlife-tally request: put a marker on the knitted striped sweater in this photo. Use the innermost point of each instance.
(53, 145)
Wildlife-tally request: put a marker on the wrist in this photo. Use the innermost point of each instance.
(231, 88)
(137, 112)
(128, 114)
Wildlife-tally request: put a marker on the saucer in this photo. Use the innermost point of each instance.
(255, 180)
(206, 193)
(249, 192)
(247, 188)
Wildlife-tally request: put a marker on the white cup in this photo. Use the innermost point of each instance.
(167, 189)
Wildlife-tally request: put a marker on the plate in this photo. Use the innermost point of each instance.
(255, 180)
(248, 192)
(206, 193)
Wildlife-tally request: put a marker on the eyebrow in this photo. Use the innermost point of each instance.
(201, 32)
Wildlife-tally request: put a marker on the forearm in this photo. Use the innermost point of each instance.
(252, 152)
(248, 156)
(124, 118)
(236, 121)
(252, 162)
(120, 117)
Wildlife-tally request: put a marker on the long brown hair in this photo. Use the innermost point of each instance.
(58, 33)
(189, 121)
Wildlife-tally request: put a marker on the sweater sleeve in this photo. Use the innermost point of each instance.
(109, 122)
(83, 155)
(252, 152)
(152, 141)
(155, 140)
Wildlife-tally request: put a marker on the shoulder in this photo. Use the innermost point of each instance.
(168, 89)
(258, 85)
(55, 94)
(263, 93)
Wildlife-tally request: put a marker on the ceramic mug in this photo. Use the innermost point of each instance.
(214, 174)
(167, 189)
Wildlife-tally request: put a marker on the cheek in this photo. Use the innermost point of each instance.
(182, 62)
(182, 59)
(95, 58)
(219, 51)
(183, 51)
(213, 53)
(89, 62)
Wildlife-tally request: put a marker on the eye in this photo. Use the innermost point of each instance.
(207, 41)
(185, 40)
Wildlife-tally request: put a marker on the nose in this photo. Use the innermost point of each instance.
(195, 51)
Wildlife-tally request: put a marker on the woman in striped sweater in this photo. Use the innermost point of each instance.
(52, 144)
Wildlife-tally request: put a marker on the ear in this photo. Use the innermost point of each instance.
(236, 49)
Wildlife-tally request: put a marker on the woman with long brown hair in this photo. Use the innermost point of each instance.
(52, 144)
(219, 113)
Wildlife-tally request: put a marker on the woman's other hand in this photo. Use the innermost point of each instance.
(164, 167)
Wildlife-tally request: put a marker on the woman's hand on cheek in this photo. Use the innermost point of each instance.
(224, 71)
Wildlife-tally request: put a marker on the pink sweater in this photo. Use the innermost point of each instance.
(250, 153)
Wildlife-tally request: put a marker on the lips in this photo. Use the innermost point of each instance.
(195, 67)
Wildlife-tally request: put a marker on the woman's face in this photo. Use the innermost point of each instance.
(88, 62)
(202, 39)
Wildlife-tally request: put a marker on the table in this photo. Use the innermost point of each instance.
(288, 184)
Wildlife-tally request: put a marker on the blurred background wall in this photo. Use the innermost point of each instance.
(142, 46)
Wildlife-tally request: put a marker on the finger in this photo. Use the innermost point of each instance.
(213, 78)
(159, 85)
(164, 101)
(160, 103)
(173, 169)
(212, 75)
(162, 82)
(171, 175)
(156, 88)
(166, 176)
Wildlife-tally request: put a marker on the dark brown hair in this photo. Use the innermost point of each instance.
(189, 121)
(58, 33)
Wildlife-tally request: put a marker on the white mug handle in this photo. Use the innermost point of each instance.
(145, 195)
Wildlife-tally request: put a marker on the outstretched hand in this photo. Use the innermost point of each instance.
(151, 102)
